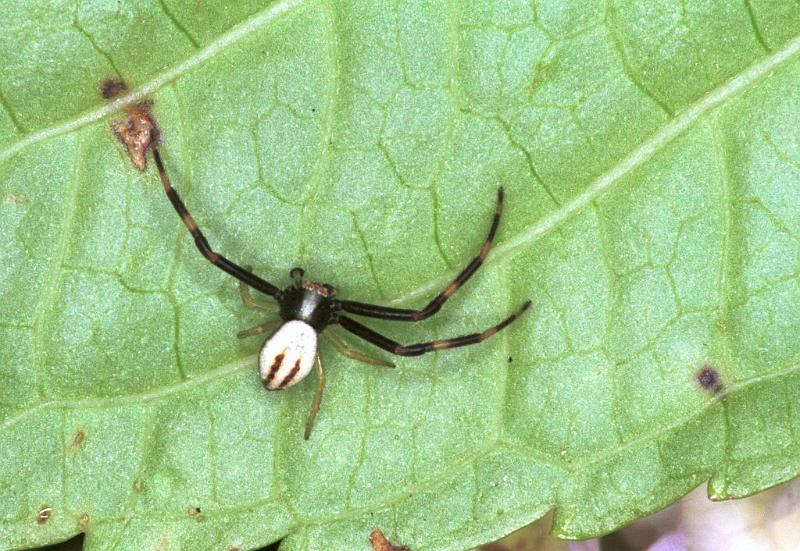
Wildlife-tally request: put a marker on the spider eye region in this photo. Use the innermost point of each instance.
(310, 303)
(288, 355)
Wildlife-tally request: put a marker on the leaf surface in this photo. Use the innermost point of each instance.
(651, 158)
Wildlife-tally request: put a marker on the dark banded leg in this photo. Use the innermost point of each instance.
(404, 314)
(315, 404)
(421, 348)
(202, 244)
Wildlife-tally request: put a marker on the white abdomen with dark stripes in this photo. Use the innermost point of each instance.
(288, 355)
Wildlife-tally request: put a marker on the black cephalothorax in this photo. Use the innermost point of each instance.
(308, 301)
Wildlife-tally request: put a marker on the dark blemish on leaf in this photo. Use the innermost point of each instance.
(139, 133)
(710, 379)
(195, 513)
(77, 440)
(510, 359)
(380, 543)
(113, 87)
(44, 514)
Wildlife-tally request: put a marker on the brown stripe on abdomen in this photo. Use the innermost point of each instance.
(273, 369)
(290, 376)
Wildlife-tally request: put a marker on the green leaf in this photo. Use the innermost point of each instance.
(652, 161)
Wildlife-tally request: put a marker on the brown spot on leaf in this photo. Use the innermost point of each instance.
(510, 359)
(44, 514)
(139, 132)
(710, 379)
(380, 543)
(722, 325)
(194, 512)
(112, 87)
(12, 199)
(83, 521)
(77, 440)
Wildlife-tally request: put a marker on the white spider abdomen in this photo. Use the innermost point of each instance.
(288, 355)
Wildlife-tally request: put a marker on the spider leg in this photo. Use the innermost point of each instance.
(202, 243)
(421, 348)
(259, 329)
(249, 301)
(405, 314)
(312, 416)
(342, 347)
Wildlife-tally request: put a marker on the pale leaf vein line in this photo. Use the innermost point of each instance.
(661, 139)
(237, 33)
(128, 399)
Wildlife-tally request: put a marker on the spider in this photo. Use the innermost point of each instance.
(307, 308)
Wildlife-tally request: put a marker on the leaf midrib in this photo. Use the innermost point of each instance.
(638, 156)
(658, 141)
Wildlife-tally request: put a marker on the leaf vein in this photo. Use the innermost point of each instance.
(56, 269)
(626, 64)
(646, 150)
(234, 35)
(178, 25)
